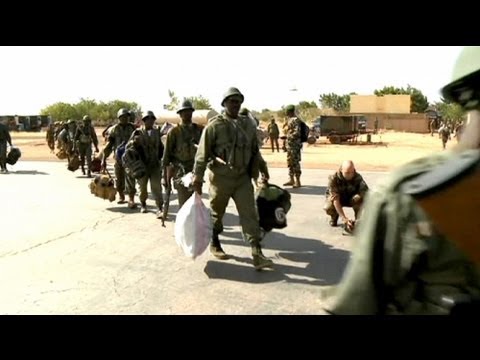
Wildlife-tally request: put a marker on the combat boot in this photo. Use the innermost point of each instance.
(297, 183)
(83, 170)
(333, 220)
(121, 199)
(216, 248)
(131, 202)
(259, 260)
(291, 182)
(89, 174)
(143, 207)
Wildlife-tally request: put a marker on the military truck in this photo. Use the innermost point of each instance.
(339, 128)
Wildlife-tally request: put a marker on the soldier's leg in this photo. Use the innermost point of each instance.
(88, 155)
(276, 143)
(82, 151)
(245, 203)
(297, 170)
(120, 181)
(156, 187)
(131, 190)
(220, 191)
(290, 169)
(3, 155)
(331, 211)
(272, 140)
(142, 182)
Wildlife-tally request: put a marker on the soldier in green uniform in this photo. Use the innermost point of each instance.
(50, 137)
(417, 251)
(180, 148)
(273, 133)
(84, 138)
(346, 188)
(4, 139)
(147, 140)
(229, 146)
(294, 147)
(118, 137)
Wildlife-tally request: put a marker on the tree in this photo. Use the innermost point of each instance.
(335, 101)
(419, 102)
(60, 111)
(450, 112)
(200, 103)
(174, 101)
(306, 105)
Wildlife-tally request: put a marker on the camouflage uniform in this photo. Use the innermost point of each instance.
(235, 142)
(445, 135)
(4, 138)
(50, 137)
(346, 191)
(294, 147)
(151, 151)
(118, 135)
(423, 266)
(180, 152)
(84, 137)
(273, 133)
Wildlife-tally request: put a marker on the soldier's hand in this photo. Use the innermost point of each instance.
(197, 187)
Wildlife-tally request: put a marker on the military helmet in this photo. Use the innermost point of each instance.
(122, 112)
(231, 92)
(86, 118)
(149, 114)
(464, 88)
(70, 121)
(290, 108)
(186, 105)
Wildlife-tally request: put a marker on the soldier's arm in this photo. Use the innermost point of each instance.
(94, 137)
(204, 153)
(169, 149)
(161, 148)
(362, 187)
(109, 147)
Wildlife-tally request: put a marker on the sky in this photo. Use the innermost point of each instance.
(32, 78)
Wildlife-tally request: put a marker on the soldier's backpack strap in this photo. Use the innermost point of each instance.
(450, 195)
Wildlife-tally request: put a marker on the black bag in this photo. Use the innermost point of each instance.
(273, 204)
(13, 155)
(304, 131)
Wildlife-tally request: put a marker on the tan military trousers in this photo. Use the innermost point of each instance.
(155, 178)
(240, 189)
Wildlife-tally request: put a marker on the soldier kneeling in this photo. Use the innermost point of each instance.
(346, 188)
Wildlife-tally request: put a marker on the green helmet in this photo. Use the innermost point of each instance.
(149, 114)
(464, 87)
(290, 108)
(186, 105)
(122, 112)
(70, 121)
(86, 118)
(231, 92)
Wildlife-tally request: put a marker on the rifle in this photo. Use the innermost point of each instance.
(168, 174)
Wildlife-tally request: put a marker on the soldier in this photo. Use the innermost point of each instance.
(230, 147)
(66, 137)
(294, 147)
(444, 133)
(346, 188)
(118, 137)
(50, 137)
(4, 139)
(180, 148)
(417, 251)
(147, 139)
(273, 133)
(84, 137)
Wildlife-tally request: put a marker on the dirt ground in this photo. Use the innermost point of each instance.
(387, 150)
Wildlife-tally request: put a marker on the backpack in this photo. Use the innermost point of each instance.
(304, 131)
(273, 204)
(132, 161)
(13, 156)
